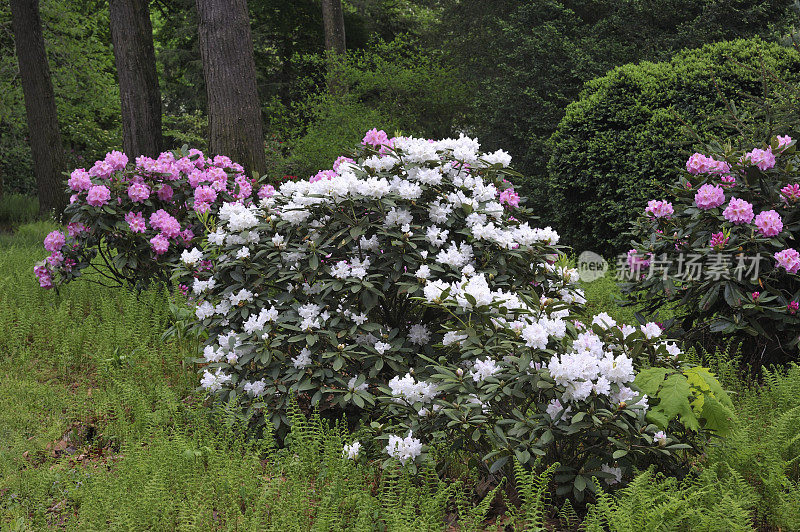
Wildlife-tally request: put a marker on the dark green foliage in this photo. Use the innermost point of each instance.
(394, 86)
(525, 60)
(625, 140)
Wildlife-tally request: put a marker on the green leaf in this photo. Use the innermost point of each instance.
(674, 400)
(649, 380)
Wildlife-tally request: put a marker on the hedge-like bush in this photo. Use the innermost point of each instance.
(625, 139)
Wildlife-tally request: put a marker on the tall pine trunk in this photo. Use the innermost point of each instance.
(132, 36)
(40, 106)
(234, 113)
(333, 25)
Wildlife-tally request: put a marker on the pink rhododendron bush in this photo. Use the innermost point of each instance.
(721, 250)
(406, 288)
(129, 223)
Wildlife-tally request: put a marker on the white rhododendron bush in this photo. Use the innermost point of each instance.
(406, 287)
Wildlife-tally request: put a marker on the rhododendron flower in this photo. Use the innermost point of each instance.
(195, 178)
(186, 235)
(769, 223)
(43, 274)
(792, 307)
(322, 174)
(636, 261)
(763, 159)
(79, 180)
(718, 240)
(54, 241)
(166, 223)
(660, 437)
(138, 192)
(266, 191)
(784, 141)
(727, 180)
(136, 222)
(755, 295)
(55, 259)
(375, 138)
(160, 244)
(101, 169)
(709, 196)
(165, 193)
(75, 228)
(697, 164)
(788, 259)
(702, 164)
(245, 187)
(404, 449)
(509, 197)
(341, 160)
(791, 191)
(218, 178)
(351, 451)
(98, 196)
(116, 159)
(738, 211)
(659, 208)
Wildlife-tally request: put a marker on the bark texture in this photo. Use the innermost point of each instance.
(333, 27)
(333, 21)
(234, 113)
(40, 106)
(134, 55)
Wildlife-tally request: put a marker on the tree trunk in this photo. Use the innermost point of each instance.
(333, 23)
(132, 36)
(333, 20)
(40, 106)
(234, 113)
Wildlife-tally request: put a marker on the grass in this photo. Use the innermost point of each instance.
(16, 209)
(101, 428)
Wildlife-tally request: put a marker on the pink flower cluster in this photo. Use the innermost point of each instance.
(322, 174)
(375, 138)
(138, 192)
(791, 192)
(709, 196)
(266, 191)
(784, 141)
(718, 240)
(659, 209)
(54, 241)
(637, 262)
(509, 197)
(341, 160)
(788, 259)
(168, 226)
(769, 223)
(98, 195)
(702, 164)
(738, 211)
(763, 159)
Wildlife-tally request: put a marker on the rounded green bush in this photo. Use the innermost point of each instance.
(626, 138)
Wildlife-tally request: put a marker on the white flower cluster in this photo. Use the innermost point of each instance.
(592, 367)
(406, 389)
(404, 449)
